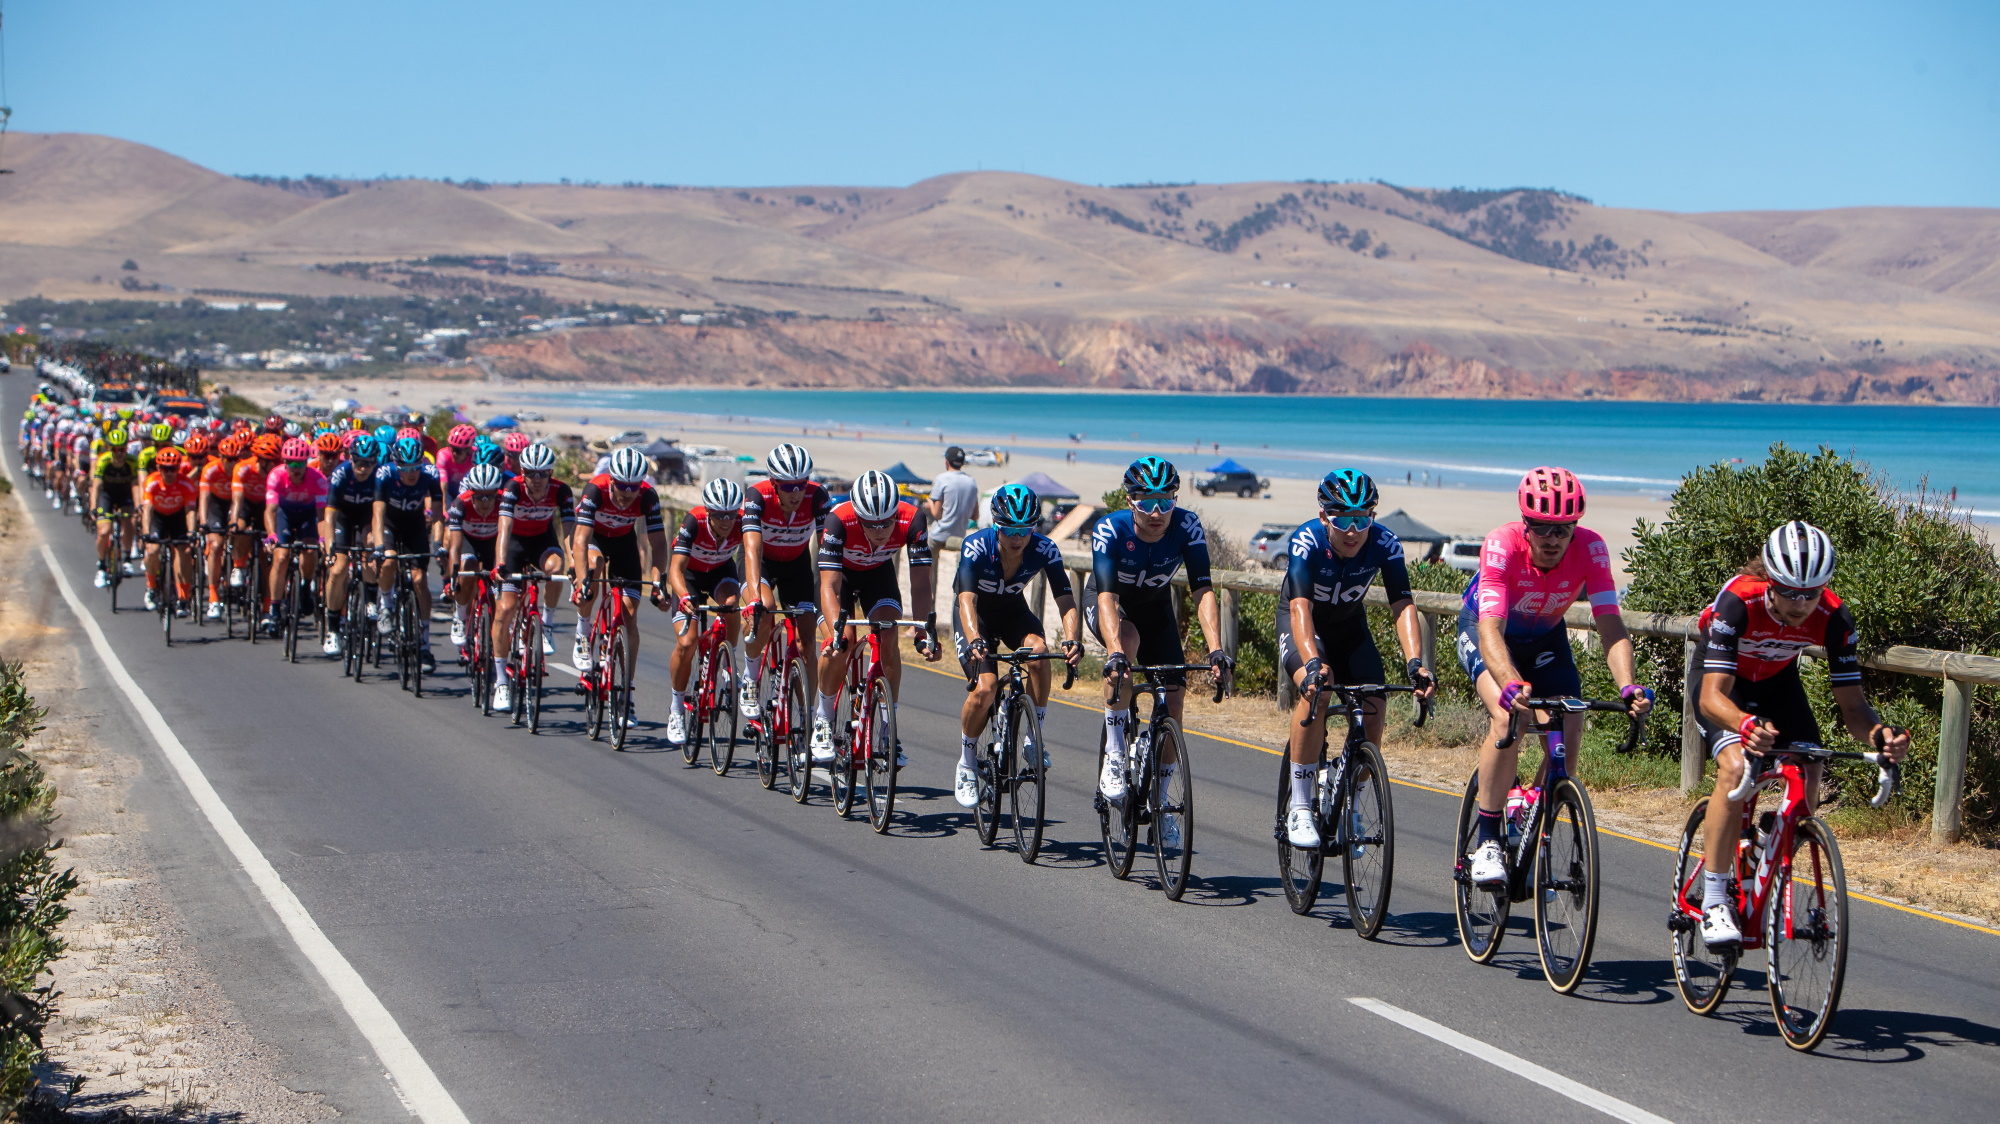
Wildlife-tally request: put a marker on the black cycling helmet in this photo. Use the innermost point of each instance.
(1152, 474)
(1347, 489)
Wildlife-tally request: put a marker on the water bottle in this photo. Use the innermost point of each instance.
(1517, 808)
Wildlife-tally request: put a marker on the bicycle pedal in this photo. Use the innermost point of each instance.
(1681, 923)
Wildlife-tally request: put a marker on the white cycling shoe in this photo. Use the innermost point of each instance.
(1300, 830)
(503, 698)
(548, 646)
(822, 741)
(967, 786)
(1489, 865)
(236, 578)
(102, 579)
(1111, 780)
(457, 632)
(747, 703)
(1718, 928)
(214, 611)
(152, 601)
(579, 654)
(332, 644)
(677, 729)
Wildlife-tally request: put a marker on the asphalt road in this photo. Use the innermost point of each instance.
(569, 932)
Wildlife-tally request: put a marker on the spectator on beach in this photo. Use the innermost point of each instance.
(954, 499)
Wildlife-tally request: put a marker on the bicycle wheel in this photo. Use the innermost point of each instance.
(1115, 821)
(1566, 885)
(1368, 840)
(764, 731)
(596, 682)
(1702, 973)
(798, 730)
(991, 762)
(1026, 797)
(290, 602)
(618, 690)
(1300, 870)
(166, 602)
(253, 589)
(1173, 811)
(700, 697)
(723, 718)
(1805, 934)
(848, 753)
(1482, 914)
(881, 763)
(416, 625)
(534, 671)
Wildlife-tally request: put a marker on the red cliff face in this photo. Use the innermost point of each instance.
(1204, 356)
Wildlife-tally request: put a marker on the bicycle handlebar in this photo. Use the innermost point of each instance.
(1572, 706)
(1318, 686)
(1889, 774)
(1022, 655)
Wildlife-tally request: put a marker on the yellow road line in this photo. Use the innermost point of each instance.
(1448, 792)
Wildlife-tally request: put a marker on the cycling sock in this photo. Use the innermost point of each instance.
(1114, 731)
(1041, 715)
(1714, 889)
(1488, 828)
(1302, 783)
(583, 623)
(753, 666)
(680, 702)
(826, 704)
(499, 669)
(968, 750)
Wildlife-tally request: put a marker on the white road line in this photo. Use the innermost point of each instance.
(1547, 1078)
(408, 1072)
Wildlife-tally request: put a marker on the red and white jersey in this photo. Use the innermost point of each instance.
(844, 545)
(533, 516)
(785, 536)
(475, 513)
(706, 550)
(612, 520)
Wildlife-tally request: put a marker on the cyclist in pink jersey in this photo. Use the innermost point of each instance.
(294, 501)
(1512, 641)
(455, 459)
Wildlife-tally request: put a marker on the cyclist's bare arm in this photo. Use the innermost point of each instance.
(1410, 638)
(753, 560)
(829, 596)
(1208, 610)
(502, 539)
(968, 616)
(1618, 657)
(1493, 649)
(1305, 638)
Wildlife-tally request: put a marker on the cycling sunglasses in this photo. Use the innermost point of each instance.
(1154, 503)
(1349, 521)
(789, 485)
(1014, 532)
(1543, 530)
(1793, 593)
(878, 524)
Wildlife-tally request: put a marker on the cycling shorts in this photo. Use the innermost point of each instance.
(1346, 648)
(215, 516)
(253, 516)
(1004, 619)
(1779, 700)
(869, 590)
(409, 536)
(476, 553)
(1546, 661)
(703, 584)
(621, 556)
(795, 580)
(350, 529)
(173, 526)
(524, 551)
(1159, 636)
(294, 525)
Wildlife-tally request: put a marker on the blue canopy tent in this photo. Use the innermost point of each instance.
(1228, 465)
(504, 421)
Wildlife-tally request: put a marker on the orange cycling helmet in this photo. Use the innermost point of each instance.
(267, 447)
(1551, 495)
(168, 459)
(197, 444)
(232, 446)
(329, 443)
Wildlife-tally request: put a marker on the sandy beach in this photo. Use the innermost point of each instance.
(1453, 510)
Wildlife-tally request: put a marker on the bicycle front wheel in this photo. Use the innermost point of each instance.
(1115, 821)
(1566, 885)
(1702, 973)
(1482, 914)
(1805, 933)
(618, 689)
(534, 669)
(848, 754)
(292, 601)
(1025, 794)
(881, 762)
(1367, 833)
(1173, 810)
(1300, 869)
(722, 719)
(798, 730)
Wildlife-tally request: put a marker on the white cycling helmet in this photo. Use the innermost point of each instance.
(1799, 555)
(484, 478)
(789, 462)
(629, 465)
(722, 494)
(874, 496)
(538, 458)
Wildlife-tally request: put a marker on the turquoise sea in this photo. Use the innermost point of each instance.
(1473, 443)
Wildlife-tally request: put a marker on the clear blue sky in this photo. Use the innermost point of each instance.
(1692, 105)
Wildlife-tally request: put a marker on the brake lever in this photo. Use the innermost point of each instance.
(1889, 779)
(1423, 714)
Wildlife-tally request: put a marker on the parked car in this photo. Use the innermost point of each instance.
(1267, 545)
(985, 458)
(1463, 554)
(630, 437)
(180, 405)
(530, 416)
(1244, 484)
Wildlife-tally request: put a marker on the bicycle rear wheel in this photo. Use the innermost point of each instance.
(1026, 797)
(535, 670)
(722, 718)
(1482, 914)
(1173, 810)
(1702, 973)
(1115, 821)
(881, 764)
(1805, 933)
(1299, 869)
(1368, 840)
(417, 626)
(618, 690)
(798, 730)
(1566, 885)
(166, 601)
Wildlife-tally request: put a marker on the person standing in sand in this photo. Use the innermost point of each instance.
(953, 504)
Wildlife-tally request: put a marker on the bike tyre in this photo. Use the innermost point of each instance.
(1701, 973)
(724, 720)
(1564, 943)
(1027, 796)
(1115, 822)
(1482, 914)
(1368, 866)
(1300, 871)
(798, 731)
(882, 768)
(1803, 1026)
(618, 691)
(1176, 802)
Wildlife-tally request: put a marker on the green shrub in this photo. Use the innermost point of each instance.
(31, 894)
(237, 406)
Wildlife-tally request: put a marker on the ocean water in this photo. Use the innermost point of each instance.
(1640, 447)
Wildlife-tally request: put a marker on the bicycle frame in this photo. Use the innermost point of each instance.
(1521, 853)
(704, 690)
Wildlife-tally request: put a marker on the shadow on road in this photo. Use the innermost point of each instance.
(1631, 982)
(1415, 930)
(1229, 890)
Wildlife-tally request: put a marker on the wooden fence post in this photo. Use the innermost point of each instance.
(1226, 606)
(1947, 812)
(1427, 650)
(1694, 750)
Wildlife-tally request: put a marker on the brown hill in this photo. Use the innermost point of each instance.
(1335, 288)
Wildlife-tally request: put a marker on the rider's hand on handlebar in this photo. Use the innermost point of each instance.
(1514, 696)
(1420, 678)
(1072, 652)
(1639, 698)
(1116, 666)
(1758, 735)
(1892, 741)
(1223, 669)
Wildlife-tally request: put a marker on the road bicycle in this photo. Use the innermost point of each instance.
(292, 598)
(1159, 787)
(166, 599)
(1352, 810)
(1010, 763)
(475, 655)
(243, 604)
(1551, 851)
(408, 626)
(360, 643)
(865, 746)
(114, 574)
(711, 697)
(607, 686)
(527, 655)
(782, 731)
(1789, 891)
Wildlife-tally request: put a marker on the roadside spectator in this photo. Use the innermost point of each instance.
(954, 499)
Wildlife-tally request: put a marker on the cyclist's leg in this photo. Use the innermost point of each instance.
(1498, 767)
(680, 666)
(983, 675)
(1352, 658)
(336, 571)
(152, 565)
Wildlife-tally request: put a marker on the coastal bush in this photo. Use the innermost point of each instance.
(32, 893)
(1911, 570)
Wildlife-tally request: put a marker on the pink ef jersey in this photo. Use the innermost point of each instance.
(308, 489)
(452, 465)
(1508, 584)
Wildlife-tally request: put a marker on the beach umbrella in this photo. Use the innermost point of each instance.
(504, 421)
(1046, 487)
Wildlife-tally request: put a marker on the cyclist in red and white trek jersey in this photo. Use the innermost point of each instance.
(703, 566)
(537, 514)
(472, 531)
(1751, 698)
(781, 513)
(618, 509)
(858, 544)
(1514, 646)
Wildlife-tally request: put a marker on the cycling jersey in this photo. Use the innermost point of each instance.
(1136, 570)
(1745, 640)
(844, 545)
(785, 536)
(306, 489)
(405, 501)
(452, 465)
(704, 549)
(350, 493)
(115, 474)
(466, 515)
(1336, 585)
(169, 497)
(537, 516)
(250, 480)
(610, 520)
(1532, 600)
(980, 567)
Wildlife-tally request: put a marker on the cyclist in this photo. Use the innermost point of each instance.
(472, 524)
(536, 511)
(216, 492)
(607, 545)
(995, 564)
(1322, 625)
(350, 513)
(161, 436)
(1752, 700)
(166, 501)
(112, 478)
(455, 459)
(408, 501)
(703, 566)
(328, 452)
(858, 544)
(1513, 644)
(246, 514)
(1128, 601)
(513, 445)
(295, 500)
(780, 514)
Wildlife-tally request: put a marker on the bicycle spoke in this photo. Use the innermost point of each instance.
(1702, 973)
(1566, 885)
(1482, 914)
(1026, 793)
(1805, 931)
(1368, 840)
(1299, 869)
(1173, 810)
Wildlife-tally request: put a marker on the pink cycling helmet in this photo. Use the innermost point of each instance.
(461, 437)
(515, 442)
(1551, 495)
(297, 449)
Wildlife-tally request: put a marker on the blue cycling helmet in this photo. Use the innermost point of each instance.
(1016, 505)
(1152, 474)
(365, 448)
(1347, 489)
(408, 452)
(488, 452)
(386, 434)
